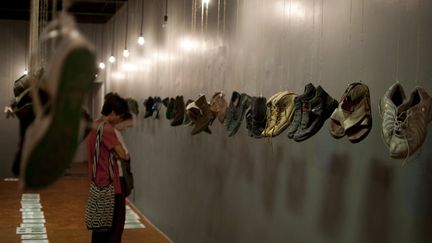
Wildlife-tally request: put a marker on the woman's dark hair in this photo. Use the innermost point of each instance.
(114, 102)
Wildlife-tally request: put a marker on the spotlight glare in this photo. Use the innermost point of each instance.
(102, 65)
(112, 59)
(125, 53)
(141, 40)
(25, 71)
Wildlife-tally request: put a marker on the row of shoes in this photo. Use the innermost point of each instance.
(405, 120)
(302, 115)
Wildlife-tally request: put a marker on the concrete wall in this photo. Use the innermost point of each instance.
(211, 188)
(12, 54)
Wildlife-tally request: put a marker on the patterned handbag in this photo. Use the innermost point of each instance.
(100, 205)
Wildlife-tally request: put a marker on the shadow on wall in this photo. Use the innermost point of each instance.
(334, 187)
(423, 199)
(296, 184)
(377, 205)
(271, 161)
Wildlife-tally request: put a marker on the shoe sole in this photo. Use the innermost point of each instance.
(52, 153)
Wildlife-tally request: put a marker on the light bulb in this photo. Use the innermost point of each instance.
(165, 21)
(125, 53)
(25, 71)
(112, 59)
(102, 65)
(141, 40)
(206, 1)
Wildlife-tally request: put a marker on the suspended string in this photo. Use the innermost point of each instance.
(237, 15)
(313, 42)
(218, 16)
(206, 16)
(289, 41)
(321, 42)
(224, 16)
(398, 44)
(202, 17)
(362, 41)
(419, 21)
(127, 24)
(142, 17)
(350, 53)
(192, 15)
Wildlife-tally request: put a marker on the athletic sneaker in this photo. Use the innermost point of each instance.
(272, 114)
(52, 139)
(284, 105)
(309, 93)
(314, 113)
(256, 117)
(236, 112)
(392, 99)
(410, 126)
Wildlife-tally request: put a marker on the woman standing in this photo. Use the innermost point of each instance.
(114, 110)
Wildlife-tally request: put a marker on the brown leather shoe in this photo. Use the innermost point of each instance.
(205, 117)
(353, 116)
(218, 106)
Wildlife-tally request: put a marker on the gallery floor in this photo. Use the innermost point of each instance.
(63, 206)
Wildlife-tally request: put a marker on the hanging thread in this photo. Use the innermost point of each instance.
(313, 42)
(419, 18)
(350, 53)
(362, 41)
(321, 42)
(398, 44)
(127, 24)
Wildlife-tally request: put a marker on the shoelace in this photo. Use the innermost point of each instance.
(401, 123)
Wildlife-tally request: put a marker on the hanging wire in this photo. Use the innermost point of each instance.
(224, 16)
(362, 40)
(206, 16)
(237, 15)
(142, 17)
(350, 39)
(218, 16)
(313, 42)
(321, 42)
(113, 32)
(290, 40)
(398, 44)
(419, 21)
(102, 43)
(202, 17)
(127, 23)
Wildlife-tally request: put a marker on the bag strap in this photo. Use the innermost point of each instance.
(99, 135)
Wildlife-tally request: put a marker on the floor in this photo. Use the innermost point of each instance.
(63, 205)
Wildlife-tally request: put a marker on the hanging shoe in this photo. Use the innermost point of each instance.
(51, 141)
(284, 105)
(187, 121)
(271, 113)
(410, 126)
(309, 93)
(148, 104)
(179, 111)
(219, 106)
(256, 117)
(353, 116)
(314, 113)
(169, 114)
(389, 103)
(205, 117)
(236, 112)
(157, 105)
(133, 106)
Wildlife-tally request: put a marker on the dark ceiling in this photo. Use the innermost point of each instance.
(85, 11)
